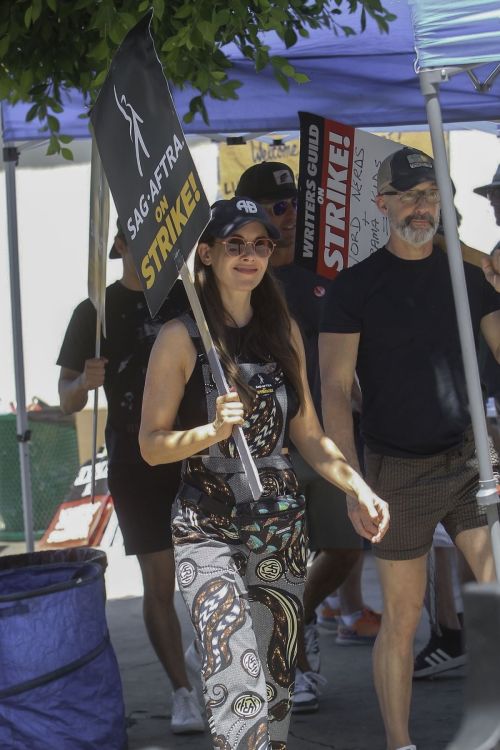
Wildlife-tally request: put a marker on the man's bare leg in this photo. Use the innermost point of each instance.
(445, 597)
(328, 571)
(350, 594)
(160, 617)
(403, 587)
(475, 545)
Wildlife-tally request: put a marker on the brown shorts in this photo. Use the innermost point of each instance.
(423, 491)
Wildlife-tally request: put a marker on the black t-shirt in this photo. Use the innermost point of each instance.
(193, 408)
(409, 359)
(305, 293)
(130, 335)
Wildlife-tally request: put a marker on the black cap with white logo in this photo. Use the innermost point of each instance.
(229, 215)
(270, 180)
(404, 169)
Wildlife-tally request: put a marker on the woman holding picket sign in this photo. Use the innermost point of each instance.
(241, 564)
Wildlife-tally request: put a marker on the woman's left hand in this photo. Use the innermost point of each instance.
(369, 514)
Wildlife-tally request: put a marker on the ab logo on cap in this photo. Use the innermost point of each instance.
(248, 207)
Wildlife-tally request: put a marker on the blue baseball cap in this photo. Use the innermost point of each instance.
(229, 215)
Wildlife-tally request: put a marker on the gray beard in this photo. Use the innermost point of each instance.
(416, 237)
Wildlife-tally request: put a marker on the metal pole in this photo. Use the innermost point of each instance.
(487, 493)
(98, 239)
(10, 157)
(219, 377)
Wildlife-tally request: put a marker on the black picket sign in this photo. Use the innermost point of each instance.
(151, 174)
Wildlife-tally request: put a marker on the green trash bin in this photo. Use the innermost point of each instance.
(54, 465)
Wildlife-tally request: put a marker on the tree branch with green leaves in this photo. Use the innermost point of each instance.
(49, 46)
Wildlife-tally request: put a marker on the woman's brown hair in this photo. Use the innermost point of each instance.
(269, 334)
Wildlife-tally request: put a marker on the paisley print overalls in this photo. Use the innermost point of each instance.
(240, 570)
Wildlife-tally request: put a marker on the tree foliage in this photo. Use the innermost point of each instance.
(47, 46)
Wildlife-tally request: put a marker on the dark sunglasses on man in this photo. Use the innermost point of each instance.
(279, 208)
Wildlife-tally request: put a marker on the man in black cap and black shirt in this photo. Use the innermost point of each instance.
(142, 494)
(272, 184)
(391, 319)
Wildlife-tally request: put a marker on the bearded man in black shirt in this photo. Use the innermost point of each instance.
(391, 319)
(142, 494)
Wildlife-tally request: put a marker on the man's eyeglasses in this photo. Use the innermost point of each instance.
(412, 197)
(235, 246)
(279, 208)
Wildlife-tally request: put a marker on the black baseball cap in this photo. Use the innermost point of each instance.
(270, 180)
(229, 215)
(404, 169)
(113, 252)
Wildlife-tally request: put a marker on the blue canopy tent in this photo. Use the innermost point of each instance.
(363, 80)
(367, 80)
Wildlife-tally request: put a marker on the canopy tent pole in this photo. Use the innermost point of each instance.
(10, 157)
(487, 494)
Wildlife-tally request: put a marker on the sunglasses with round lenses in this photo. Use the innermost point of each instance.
(235, 246)
(279, 208)
(412, 197)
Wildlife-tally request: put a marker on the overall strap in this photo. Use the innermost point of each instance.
(194, 333)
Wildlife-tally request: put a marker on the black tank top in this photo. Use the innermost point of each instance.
(218, 472)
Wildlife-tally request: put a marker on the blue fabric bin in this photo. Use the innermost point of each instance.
(60, 687)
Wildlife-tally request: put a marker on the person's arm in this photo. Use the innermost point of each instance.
(337, 363)
(368, 513)
(491, 268)
(490, 324)
(490, 328)
(170, 365)
(74, 386)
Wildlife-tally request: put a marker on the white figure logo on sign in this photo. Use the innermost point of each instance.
(134, 121)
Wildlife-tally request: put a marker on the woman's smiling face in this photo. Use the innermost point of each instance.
(242, 272)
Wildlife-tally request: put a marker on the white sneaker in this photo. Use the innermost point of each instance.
(311, 642)
(408, 747)
(186, 714)
(193, 660)
(306, 691)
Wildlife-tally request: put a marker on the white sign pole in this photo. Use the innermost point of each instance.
(219, 377)
(98, 240)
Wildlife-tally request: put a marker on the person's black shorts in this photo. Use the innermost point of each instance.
(328, 524)
(143, 497)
